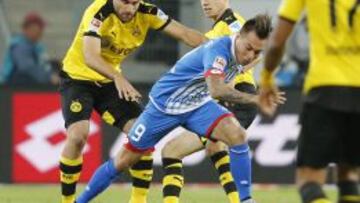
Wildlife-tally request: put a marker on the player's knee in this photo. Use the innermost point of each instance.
(170, 151)
(231, 132)
(77, 135)
(237, 137)
(215, 147)
(125, 159)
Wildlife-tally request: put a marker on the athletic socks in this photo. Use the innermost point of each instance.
(173, 180)
(240, 166)
(101, 179)
(69, 176)
(221, 161)
(141, 173)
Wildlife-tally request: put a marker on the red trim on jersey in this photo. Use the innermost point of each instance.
(214, 71)
(132, 148)
(215, 123)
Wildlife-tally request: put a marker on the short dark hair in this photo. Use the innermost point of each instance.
(33, 18)
(261, 24)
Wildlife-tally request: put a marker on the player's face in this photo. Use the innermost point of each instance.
(126, 9)
(248, 47)
(213, 8)
(33, 32)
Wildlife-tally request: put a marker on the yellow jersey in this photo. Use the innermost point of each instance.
(118, 39)
(230, 23)
(334, 29)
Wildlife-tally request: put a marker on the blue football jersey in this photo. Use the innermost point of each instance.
(183, 88)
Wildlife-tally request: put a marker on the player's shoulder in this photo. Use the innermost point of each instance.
(148, 8)
(220, 45)
(231, 19)
(100, 9)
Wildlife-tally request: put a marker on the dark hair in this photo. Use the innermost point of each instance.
(33, 18)
(261, 24)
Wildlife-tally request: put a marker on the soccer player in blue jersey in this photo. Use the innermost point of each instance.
(185, 96)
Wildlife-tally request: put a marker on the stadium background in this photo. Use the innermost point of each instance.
(31, 125)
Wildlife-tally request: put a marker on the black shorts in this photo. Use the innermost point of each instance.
(328, 136)
(245, 113)
(79, 98)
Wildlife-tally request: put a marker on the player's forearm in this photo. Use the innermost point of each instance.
(98, 64)
(232, 95)
(277, 41)
(273, 57)
(194, 38)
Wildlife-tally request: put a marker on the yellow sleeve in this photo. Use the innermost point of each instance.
(94, 17)
(156, 17)
(291, 9)
(219, 30)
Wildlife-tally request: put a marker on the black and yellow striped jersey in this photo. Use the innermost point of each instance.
(228, 24)
(334, 29)
(118, 39)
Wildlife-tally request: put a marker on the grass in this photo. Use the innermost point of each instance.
(120, 194)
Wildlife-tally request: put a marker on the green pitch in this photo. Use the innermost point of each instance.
(120, 194)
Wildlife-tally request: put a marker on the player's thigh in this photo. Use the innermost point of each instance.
(319, 138)
(115, 111)
(351, 140)
(230, 132)
(214, 122)
(149, 128)
(77, 101)
(182, 145)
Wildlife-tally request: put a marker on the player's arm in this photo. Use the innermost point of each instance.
(277, 42)
(93, 58)
(289, 12)
(221, 91)
(189, 36)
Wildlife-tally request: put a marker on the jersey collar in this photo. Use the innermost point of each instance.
(228, 12)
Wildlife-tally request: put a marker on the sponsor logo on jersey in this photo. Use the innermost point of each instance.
(219, 63)
(95, 25)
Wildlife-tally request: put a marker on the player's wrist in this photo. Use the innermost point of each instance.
(266, 78)
(117, 76)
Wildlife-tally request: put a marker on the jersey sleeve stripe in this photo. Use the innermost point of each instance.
(104, 11)
(287, 19)
(148, 9)
(165, 24)
(228, 17)
(92, 34)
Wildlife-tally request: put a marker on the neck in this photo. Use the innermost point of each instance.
(217, 17)
(236, 51)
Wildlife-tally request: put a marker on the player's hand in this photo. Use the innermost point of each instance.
(269, 95)
(125, 89)
(269, 99)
